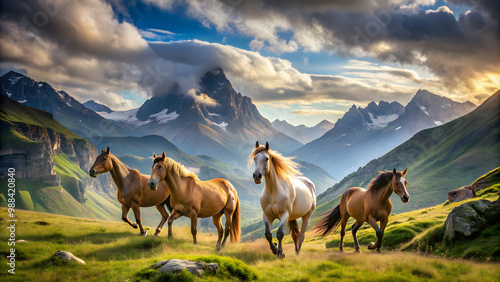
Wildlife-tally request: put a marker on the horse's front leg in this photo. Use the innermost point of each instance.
(303, 229)
(375, 245)
(137, 213)
(354, 229)
(194, 220)
(173, 216)
(269, 235)
(281, 233)
(125, 210)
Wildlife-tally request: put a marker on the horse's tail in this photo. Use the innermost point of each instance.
(294, 228)
(167, 203)
(235, 223)
(329, 223)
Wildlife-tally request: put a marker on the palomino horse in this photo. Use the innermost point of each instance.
(370, 205)
(286, 196)
(193, 198)
(133, 191)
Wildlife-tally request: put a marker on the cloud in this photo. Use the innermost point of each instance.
(392, 31)
(312, 112)
(202, 98)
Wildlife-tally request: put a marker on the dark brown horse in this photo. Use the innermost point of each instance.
(133, 191)
(370, 205)
(193, 198)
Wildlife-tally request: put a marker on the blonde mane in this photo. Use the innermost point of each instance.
(179, 169)
(285, 166)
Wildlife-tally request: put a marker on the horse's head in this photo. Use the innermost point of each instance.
(399, 185)
(102, 164)
(159, 171)
(261, 160)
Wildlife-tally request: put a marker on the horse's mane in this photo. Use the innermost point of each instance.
(176, 168)
(285, 166)
(383, 178)
(122, 167)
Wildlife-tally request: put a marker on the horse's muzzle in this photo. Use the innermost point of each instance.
(257, 178)
(152, 185)
(405, 199)
(93, 173)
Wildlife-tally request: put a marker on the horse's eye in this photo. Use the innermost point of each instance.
(267, 159)
(105, 158)
(159, 166)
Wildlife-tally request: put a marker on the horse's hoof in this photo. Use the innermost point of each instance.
(358, 251)
(371, 246)
(378, 251)
(217, 248)
(280, 255)
(134, 226)
(145, 233)
(157, 234)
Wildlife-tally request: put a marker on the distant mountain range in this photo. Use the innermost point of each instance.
(67, 110)
(301, 132)
(363, 134)
(215, 121)
(96, 107)
(438, 159)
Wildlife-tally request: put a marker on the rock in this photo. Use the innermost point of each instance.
(462, 194)
(466, 219)
(177, 265)
(21, 241)
(67, 256)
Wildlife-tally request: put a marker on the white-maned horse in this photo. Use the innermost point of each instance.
(287, 196)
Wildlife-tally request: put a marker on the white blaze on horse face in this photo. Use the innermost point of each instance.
(261, 166)
(403, 182)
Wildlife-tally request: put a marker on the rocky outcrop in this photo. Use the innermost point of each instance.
(461, 194)
(33, 161)
(178, 265)
(468, 219)
(67, 257)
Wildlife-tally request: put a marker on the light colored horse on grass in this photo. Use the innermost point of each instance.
(286, 196)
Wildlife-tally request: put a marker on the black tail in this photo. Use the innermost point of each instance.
(167, 203)
(329, 223)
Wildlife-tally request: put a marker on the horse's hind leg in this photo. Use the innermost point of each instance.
(355, 228)
(303, 229)
(216, 219)
(343, 223)
(373, 222)
(173, 216)
(137, 213)
(269, 235)
(229, 221)
(164, 217)
(125, 210)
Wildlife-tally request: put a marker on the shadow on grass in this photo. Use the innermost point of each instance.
(94, 238)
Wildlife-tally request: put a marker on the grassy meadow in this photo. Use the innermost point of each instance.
(114, 251)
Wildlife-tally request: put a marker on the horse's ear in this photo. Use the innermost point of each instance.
(267, 146)
(154, 156)
(404, 172)
(163, 156)
(107, 150)
(103, 150)
(257, 144)
(394, 171)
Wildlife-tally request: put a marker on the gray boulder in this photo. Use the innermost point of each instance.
(67, 256)
(466, 219)
(177, 265)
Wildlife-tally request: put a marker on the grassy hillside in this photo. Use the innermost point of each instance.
(439, 159)
(13, 112)
(112, 251)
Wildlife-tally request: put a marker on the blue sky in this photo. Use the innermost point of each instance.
(299, 61)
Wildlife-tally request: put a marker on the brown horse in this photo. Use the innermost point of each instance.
(133, 191)
(194, 198)
(370, 205)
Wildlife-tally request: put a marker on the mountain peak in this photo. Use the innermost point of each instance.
(96, 107)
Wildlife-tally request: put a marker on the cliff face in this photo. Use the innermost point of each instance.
(34, 161)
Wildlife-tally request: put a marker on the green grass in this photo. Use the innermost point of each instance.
(13, 113)
(113, 251)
